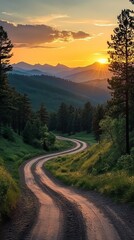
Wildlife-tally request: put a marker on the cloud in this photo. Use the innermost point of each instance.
(36, 35)
(77, 21)
(13, 17)
(8, 13)
(98, 23)
(81, 35)
(25, 45)
(46, 19)
(103, 23)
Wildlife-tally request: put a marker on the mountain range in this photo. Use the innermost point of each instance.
(55, 84)
(77, 74)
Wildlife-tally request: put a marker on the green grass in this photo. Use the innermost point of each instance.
(96, 169)
(62, 145)
(12, 155)
(9, 192)
(83, 136)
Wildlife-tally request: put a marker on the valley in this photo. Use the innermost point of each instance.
(52, 87)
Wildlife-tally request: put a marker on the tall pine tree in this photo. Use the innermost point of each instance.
(5, 55)
(121, 53)
(62, 118)
(43, 115)
(98, 115)
(87, 117)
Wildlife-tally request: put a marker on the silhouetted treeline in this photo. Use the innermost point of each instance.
(69, 119)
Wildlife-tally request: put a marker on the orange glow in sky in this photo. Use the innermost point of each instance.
(73, 33)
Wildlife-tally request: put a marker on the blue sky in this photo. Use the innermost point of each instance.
(21, 10)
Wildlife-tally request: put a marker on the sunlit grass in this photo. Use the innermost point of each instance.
(95, 169)
(12, 155)
(9, 192)
(83, 136)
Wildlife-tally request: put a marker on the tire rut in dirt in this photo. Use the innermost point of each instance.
(74, 227)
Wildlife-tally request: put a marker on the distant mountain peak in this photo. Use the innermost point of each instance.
(19, 63)
(98, 64)
(77, 74)
(60, 65)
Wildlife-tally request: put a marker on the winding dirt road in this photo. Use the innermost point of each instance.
(69, 214)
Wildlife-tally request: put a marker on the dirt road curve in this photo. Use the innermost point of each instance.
(68, 214)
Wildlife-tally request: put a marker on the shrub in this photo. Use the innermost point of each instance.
(113, 130)
(48, 139)
(132, 151)
(126, 162)
(8, 133)
(36, 143)
(1, 162)
(51, 139)
(28, 133)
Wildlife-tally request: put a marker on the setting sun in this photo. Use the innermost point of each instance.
(103, 60)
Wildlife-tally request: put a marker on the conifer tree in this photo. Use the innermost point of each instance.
(121, 55)
(5, 52)
(5, 55)
(77, 120)
(28, 133)
(87, 117)
(43, 115)
(62, 118)
(52, 121)
(70, 124)
(98, 115)
(24, 112)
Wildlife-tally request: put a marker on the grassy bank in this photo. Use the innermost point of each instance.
(99, 168)
(9, 193)
(12, 154)
(62, 145)
(83, 136)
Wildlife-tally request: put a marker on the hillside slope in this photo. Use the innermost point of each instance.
(52, 91)
(97, 169)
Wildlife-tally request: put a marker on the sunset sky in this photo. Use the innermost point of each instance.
(70, 32)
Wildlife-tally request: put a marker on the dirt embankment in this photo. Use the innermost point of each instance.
(22, 218)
